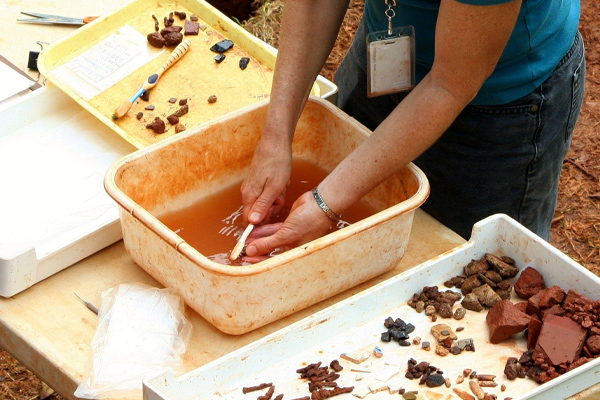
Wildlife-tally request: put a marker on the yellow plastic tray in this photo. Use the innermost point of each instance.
(195, 77)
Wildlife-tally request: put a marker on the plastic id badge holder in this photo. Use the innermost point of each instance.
(390, 61)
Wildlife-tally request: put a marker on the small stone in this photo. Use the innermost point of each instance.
(459, 313)
(173, 119)
(194, 17)
(244, 62)
(593, 344)
(486, 295)
(420, 306)
(219, 58)
(469, 284)
(417, 340)
(504, 269)
(179, 128)
(139, 115)
(470, 302)
(149, 108)
(172, 100)
(445, 310)
(435, 380)
(212, 99)
(182, 102)
(429, 310)
(425, 345)
(441, 351)
(460, 328)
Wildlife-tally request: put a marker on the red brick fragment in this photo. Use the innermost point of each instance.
(552, 296)
(522, 306)
(561, 340)
(555, 310)
(533, 304)
(504, 319)
(533, 332)
(574, 298)
(529, 283)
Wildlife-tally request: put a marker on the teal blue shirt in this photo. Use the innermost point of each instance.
(543, 34)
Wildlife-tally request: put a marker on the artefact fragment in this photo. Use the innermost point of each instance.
(551, 343)
(529, 283)
(222, 46)
(158, 125)
(504, 320)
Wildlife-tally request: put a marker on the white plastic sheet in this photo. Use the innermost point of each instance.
(141, 330)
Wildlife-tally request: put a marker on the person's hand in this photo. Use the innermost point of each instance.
(263, 190)
(306, 222)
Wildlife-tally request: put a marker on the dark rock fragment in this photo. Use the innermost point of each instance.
(476, 266)
(173, 39)
(504, 269)
(435, 380)
(212, 99)
(158, 125)
(470, 302)
(222, 46)
(156, 40)
(244, 62)
(469, 284)
(219, 58)
(139, 115)
(171, 29)
(486, 295)
(173, 119)
(145, 96)
(180, 14)
(181, 111)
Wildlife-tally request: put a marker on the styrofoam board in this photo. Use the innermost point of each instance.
(53, 207)
(497, 234)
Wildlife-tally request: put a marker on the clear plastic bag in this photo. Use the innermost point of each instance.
(141, 330)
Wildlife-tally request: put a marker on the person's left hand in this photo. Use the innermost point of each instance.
(305, 222)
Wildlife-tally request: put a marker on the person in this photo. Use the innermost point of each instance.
(499, 86)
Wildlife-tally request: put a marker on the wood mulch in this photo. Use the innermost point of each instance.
(576, 227)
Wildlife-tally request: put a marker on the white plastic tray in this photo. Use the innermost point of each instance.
(54, 210)
(357, 322)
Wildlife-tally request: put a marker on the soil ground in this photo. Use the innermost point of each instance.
(576, 227)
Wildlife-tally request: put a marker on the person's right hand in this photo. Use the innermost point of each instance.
(263, 190)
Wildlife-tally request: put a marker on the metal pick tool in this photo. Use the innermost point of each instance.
(239, 246)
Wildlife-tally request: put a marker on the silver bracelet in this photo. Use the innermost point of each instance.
(333, 216)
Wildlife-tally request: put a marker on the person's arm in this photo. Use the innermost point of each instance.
(469, 41)
(308, 32)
